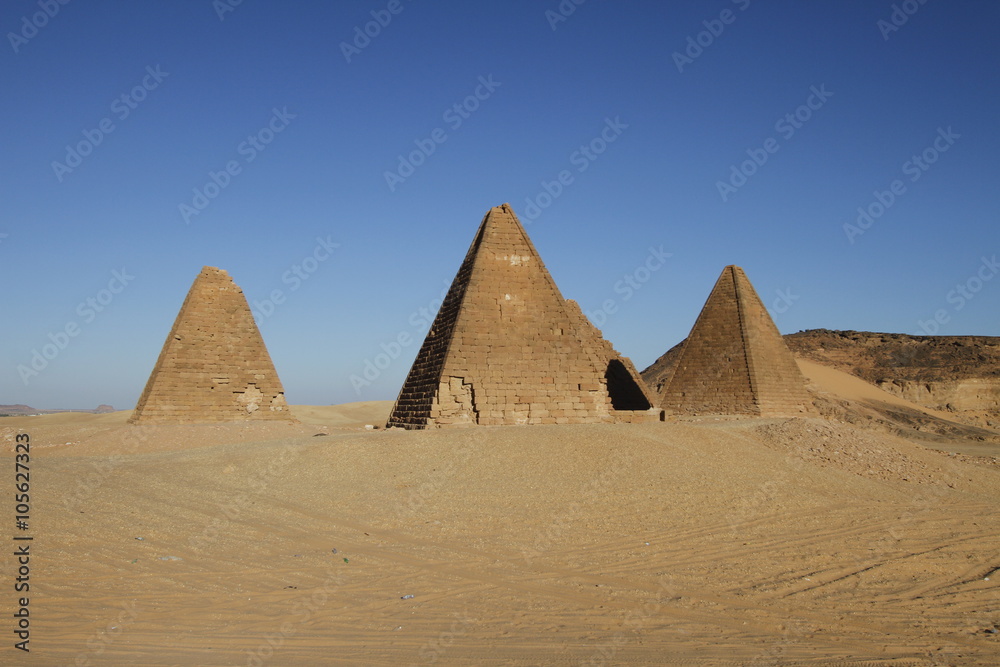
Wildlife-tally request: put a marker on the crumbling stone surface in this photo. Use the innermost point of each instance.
(507, 348)
(214, 366)
(735, 361)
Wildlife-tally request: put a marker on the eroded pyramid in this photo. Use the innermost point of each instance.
(214, 366)
(507, 348)
(735, 361)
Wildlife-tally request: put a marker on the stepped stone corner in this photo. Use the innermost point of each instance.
(506, 348)
(214, 366)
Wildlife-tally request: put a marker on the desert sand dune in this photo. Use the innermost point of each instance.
(720, 542)
(847, 386)
(347, 414)
(844, 396)
(77, 419)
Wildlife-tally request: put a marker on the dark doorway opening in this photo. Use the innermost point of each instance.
(624, 392)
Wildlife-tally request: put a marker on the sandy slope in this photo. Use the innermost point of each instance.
(842, 396)
(847, 386)
(109, 434)
(348, 414)
(760, 542)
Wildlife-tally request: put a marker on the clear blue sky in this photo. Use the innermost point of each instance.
(153, 97)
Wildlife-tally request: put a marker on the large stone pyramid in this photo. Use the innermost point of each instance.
(506, 348)
(735, 361)
(213, 366)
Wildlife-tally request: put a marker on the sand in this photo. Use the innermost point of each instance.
(846, 385)
(697, 541)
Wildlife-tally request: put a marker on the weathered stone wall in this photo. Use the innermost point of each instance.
(734, 361)
(213, 366)
(712, 375)
(415, 401)
(626, 391)
(778, 385)
(506, 348)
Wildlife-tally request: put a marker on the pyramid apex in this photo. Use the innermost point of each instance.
(504, 217)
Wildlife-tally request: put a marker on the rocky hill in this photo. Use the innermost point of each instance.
(959, 374)
(880, 357)
(659, 371)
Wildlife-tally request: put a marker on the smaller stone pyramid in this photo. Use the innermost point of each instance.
(214, 366)
(735, 361)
